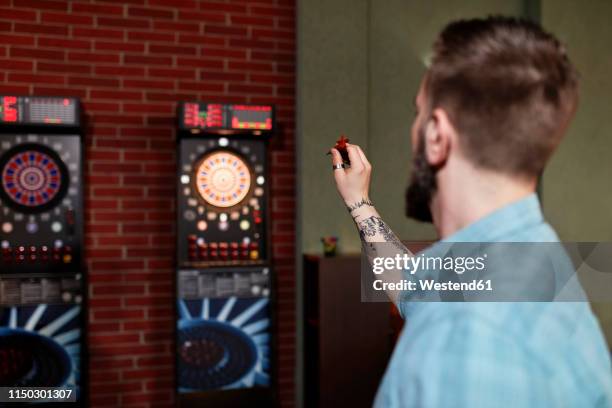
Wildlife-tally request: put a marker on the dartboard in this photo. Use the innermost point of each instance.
(222, 179)
(34, 178)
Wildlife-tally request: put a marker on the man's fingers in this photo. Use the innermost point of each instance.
(354, 157)
(364, 159)
(339, 174)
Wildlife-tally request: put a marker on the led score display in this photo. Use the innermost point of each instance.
(226, 117)
(25, 110)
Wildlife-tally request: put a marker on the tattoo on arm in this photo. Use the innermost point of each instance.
(358, 204)
(373, 225)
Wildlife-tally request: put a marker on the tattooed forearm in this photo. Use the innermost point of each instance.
(367, 227)
(375, 225)
(358, 204)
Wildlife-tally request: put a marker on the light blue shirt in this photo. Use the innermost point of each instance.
(523, 354)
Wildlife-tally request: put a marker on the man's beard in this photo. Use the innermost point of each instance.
(422, 185)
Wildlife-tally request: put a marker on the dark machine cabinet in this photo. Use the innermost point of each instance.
(42, 277)
(224, 342)
(347, 343)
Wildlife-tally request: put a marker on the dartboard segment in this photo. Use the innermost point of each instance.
(223, 179)
(33, 178)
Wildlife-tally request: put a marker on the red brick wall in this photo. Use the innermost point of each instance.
(129, 61)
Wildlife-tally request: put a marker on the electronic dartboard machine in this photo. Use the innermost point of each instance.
(224, 278)
(41, 238)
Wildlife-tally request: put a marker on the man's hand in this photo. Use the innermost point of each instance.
(353, 183)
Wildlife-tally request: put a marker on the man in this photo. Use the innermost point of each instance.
(491, 109)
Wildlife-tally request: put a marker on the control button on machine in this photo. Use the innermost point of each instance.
(32, 227)
(56, 226)
(254, 254)
(7, 227)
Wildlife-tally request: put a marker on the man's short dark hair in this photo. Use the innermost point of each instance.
(509, 88)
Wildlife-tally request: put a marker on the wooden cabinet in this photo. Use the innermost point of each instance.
(347, 343)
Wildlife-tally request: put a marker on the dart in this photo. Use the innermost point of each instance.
(341, 147)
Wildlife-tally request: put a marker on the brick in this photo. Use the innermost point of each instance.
(227, 7)
(225, 30)
(150, 12)
(117, 168)
(200, 63)
(250, 66)
(94, 81)
(118, 192)
(116, 95)
(273, 11)
(118, 313)
(149, 60)
(151, 36)
(120, 71)
(146, 132)
(119, 46)
(54, 91)
(252, 20)
(96, 9)
(113, 289)
(201, 86)
(18, 52)
(93, 57)
(250, 43)
(250, 89)
(63, 43)
(172, 26)
(63, 68)
(122, 143)
(158, 84)
(82, 32)
(206, 16)
(11, 39)
(224, 52)
(123, 22)
(172, 49)
(12, 64)
(62, 18)
(13, 14)
(190, 4)
(37, 78)
(172, 72)
(41, 29)
(146, 156)
(43, 4)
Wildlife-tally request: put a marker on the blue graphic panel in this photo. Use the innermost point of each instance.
(223, 344)
(40, 346)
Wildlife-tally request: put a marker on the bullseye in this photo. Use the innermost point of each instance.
(222, 179)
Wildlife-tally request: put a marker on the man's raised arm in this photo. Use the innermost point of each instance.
(378, 240)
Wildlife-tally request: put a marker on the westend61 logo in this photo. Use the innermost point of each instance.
(415, 263)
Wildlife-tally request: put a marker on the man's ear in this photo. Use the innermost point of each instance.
(439, 137)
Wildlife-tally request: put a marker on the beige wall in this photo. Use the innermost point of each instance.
(577, 185)
(360, 63)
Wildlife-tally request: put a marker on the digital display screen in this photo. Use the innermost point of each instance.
(226, 117)
(35, 110)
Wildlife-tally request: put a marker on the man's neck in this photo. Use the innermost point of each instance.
(458, 204)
